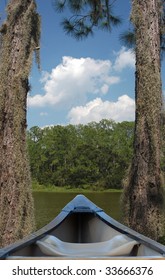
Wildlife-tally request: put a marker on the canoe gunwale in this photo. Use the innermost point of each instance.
(133, 234)
(80, 204)
(33, 237)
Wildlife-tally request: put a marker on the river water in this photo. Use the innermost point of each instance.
(49, 204)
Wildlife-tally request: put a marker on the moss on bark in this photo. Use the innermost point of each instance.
(143, 195)
(20, 38)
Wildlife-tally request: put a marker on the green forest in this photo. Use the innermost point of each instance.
(95, 156)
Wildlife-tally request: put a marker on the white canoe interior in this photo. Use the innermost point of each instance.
(117, 246)
(85, 235)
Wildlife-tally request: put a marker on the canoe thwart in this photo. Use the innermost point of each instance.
(119, 245)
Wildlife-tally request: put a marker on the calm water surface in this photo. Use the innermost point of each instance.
(49, 205)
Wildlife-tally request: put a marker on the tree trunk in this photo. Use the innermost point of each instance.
(142, 198)
(20, 37)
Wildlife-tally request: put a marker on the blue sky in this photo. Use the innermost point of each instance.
(81, 81)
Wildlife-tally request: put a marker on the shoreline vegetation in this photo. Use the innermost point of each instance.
(36, 187)
(95, 156)
(75, 158)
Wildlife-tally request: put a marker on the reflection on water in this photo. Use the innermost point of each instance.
(49, 205)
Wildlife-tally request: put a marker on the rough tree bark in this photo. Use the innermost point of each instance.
(19, 39)
(142, 198)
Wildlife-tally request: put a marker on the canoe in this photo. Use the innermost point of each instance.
(83, 230)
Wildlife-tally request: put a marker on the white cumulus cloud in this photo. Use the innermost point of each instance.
(96, 110)
(73, 80)
(125, 58)
(43, 114)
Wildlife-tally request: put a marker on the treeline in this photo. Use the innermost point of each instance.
(95, 155)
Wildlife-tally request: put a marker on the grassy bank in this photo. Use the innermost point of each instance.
(86, 189)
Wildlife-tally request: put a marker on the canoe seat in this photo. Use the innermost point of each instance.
(119, 245)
